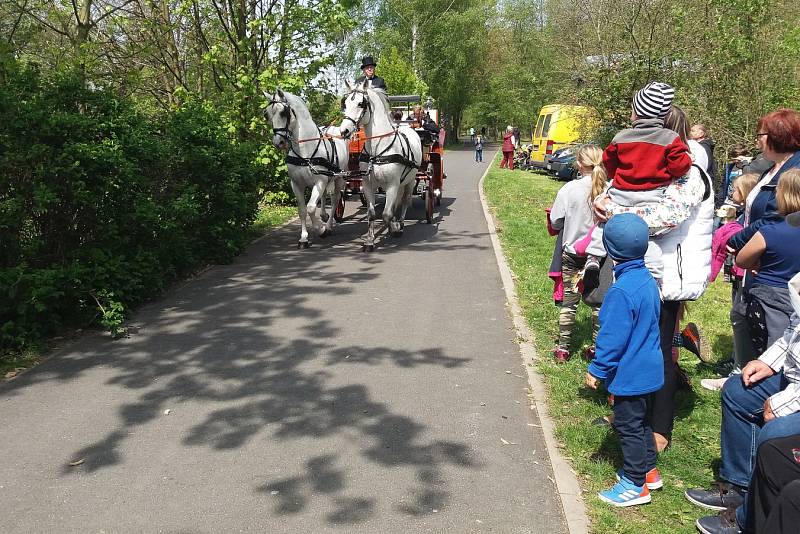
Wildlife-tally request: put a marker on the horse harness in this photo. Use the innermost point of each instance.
(330, 161)
(405, 157)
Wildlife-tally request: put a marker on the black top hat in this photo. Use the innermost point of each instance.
(367, 61)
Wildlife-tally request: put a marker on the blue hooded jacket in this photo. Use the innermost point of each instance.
(628, 350)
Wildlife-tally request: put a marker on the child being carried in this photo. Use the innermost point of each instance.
(642, 161)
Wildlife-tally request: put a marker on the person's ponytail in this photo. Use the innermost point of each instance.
(591, 157)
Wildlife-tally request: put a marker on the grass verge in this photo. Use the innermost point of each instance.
(272, 215)
(518, 200)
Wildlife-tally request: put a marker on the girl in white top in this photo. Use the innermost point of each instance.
(572, 213)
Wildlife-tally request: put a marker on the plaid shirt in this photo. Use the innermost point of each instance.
(785, 353)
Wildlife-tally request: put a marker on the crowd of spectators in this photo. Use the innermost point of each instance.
(642, 231)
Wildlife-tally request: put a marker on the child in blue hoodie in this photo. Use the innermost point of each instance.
(629, 359)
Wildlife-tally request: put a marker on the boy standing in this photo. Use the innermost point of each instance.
(628, 357)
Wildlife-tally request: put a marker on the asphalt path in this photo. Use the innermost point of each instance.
(318, 390)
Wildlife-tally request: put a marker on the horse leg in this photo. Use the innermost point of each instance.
(369, 239)
(390, 209)
(301, 211)
(407, 196)
(317, 195)
(338, 185)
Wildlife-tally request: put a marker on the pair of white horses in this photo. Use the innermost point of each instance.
(318, 159)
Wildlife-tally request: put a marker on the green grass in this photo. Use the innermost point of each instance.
(518, 200)
(272, 215)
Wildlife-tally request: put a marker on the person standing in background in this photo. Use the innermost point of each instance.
(699, 133)
(508, 149)
(517, 140)
(479, 148)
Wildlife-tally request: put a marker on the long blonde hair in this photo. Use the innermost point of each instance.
(788, 192)
(591, 157)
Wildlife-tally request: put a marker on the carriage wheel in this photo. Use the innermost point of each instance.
(363, 199)
(429, 206)
(338, 214)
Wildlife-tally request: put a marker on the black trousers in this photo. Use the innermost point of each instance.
(632, 423)
(773, 504)
(663, 403)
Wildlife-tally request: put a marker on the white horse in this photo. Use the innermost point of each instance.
(394, 152)
(313, 159)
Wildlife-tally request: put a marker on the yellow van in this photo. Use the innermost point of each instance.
(558, 126)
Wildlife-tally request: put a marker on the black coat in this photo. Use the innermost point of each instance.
(377, 82)
(708, 145)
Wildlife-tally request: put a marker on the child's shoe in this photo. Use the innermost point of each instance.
(561, 355)
(591, 274)
(652, 479)
(625, 493)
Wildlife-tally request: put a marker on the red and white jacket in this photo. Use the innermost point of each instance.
(646, 156)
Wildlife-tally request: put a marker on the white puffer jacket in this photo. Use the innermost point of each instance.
(686, 250)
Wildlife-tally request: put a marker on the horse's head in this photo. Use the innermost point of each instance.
(356, 108)
(279, 114)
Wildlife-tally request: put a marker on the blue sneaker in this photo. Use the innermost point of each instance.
(625, 493)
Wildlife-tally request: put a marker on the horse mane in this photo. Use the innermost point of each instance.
(298, 106)
(383, 98)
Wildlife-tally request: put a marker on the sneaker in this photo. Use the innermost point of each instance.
(588, 354)
(713, 384)
(723, 523)
(561, 355)
(690, 338)
(652, 479)
(625, 493)
(591, 275)
(722, 496)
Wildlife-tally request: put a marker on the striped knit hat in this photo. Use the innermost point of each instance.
(653, 101)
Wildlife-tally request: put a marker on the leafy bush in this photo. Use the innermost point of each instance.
(101, 206)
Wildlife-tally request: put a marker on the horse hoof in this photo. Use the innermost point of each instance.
(303, 244)
(325, 233)
(368, 248)
(397, 233)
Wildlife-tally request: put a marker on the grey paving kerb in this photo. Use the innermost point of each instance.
(296, 391)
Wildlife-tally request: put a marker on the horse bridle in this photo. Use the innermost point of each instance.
(364, 105)
(286, 113)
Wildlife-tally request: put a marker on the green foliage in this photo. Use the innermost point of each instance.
(399, 75)
(101, 206)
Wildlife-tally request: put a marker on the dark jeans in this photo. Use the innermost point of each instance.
(772, 504)
(743, 349)
(663, 410)
(743, 425)
(632, 423)
(479, 155)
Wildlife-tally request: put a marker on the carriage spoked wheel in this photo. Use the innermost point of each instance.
(338, 214)
(429, 201)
